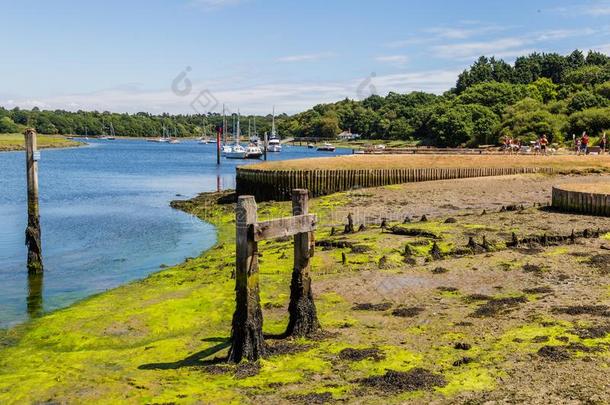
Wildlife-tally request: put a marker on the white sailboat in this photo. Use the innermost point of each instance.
(175, 139)
(237, 151)
(274, 144)
(226, 148)
(203, 139)
(112, 136)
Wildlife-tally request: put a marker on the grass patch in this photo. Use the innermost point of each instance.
(11, 142)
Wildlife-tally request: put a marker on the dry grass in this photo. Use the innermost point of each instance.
(568, 163)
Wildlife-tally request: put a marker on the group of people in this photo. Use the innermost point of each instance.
(539, 147)
(582, 145)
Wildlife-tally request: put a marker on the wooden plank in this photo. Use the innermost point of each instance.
(289, 226)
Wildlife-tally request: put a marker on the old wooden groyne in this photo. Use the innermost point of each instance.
(277, 185)
(593, 199)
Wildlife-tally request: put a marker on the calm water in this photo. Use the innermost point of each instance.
(105, 217)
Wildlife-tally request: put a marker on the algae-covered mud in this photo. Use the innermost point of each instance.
(471, 291)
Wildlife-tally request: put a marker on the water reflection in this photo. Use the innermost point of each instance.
(34, 301)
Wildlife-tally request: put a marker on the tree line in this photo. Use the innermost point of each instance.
(541, 93)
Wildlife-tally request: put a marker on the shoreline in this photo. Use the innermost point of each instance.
(165, 330)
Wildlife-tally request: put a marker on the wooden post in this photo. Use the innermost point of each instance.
(32, 232)
(34, 300)
(247, 331)
(302, 309)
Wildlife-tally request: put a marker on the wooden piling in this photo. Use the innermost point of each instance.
(303, 319)
(247, 330)
(32, 232)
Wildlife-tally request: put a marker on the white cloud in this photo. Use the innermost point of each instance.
(290, 97)
(305, 57)
(552, 35)
(463, 30)
(460, 32)
(398, 60)
(594, 8)
(468, 50)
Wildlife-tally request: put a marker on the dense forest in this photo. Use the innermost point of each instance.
(539, 94)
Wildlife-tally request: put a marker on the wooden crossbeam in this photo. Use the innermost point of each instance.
(289, 226)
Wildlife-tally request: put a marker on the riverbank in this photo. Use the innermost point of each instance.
(13, 142)
(526, 323)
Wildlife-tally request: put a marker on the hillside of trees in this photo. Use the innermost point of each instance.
(539, 94)
(135, 125)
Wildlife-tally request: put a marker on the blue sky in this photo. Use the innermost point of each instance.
(125, 55)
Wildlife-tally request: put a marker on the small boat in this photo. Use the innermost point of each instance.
(310, 145)
(203, 141)
(110, 137)
(174, 141)
(226, 149)
(237, 152)
(274, 145)
(253, 152)
(326, 147)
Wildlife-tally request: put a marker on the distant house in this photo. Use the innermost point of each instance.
(348, 136)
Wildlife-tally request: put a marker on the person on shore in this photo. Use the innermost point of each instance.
(577, 146)
(537, 147)
(584, 143)
(603, 143)
(543, 144)
(506, 144)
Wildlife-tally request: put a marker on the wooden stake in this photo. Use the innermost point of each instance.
(32, 232)
(302, 309)
(247, 331)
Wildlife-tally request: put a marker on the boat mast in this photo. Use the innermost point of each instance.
(273, 123)
(224, 124)
(237, 131)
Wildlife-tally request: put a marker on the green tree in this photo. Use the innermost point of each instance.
(585, 99)
(593, 120)
(8, 126)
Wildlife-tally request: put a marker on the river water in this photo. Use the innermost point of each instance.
(105, 217)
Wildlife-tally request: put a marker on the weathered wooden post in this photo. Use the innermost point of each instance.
(34, 300)
(247, 330)
(303, 317)
(32, 232)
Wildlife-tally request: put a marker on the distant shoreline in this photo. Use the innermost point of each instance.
(15, 142)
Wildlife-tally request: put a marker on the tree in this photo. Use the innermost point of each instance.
(597, 58)
(588, 75)
(546, 88)
(585, 99)
(528, 120)
(497, 95)
(8, 126)
(603, 90)
(593, 120)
